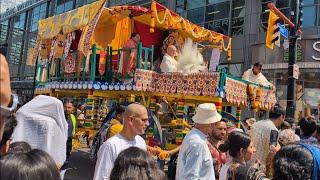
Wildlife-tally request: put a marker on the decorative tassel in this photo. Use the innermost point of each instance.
(153, 15)
(102, 62)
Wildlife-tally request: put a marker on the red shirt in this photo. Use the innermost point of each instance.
(218, 158)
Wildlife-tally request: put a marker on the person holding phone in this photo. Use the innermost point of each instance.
(264, 134)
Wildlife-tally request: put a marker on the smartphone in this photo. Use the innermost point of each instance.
(273, 138)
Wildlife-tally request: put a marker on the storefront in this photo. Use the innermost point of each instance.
(308, 84)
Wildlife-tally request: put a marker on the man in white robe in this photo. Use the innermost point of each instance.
(169, 64)
(255, 75)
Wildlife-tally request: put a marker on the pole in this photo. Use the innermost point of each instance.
(291, 104)
(34, 78)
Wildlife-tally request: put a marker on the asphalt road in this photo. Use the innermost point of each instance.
(81, 167)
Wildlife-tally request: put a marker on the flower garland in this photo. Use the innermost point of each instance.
(196, 33)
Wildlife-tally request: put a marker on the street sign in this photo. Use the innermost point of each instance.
(283, 31)
(295, 71)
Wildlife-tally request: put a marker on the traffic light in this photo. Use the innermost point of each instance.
(272, 30)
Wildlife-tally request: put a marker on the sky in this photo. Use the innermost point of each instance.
(5, 4)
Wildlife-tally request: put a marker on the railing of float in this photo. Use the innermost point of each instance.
(145, 51)
(145, 60)
(242, 93)
(145, 57)
(224, 75)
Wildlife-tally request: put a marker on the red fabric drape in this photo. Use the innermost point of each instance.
(148, 39)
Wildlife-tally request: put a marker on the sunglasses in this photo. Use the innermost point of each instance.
(6, 112)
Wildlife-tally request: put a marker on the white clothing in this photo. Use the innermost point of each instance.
(259, 79)
(223, 175)
(109, 152)
(168, 64)
(42, 124)
(260, 137)
(194, 159)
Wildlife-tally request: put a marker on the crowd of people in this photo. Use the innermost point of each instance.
(36, 143)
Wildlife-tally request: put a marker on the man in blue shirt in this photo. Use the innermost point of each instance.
(194, 159)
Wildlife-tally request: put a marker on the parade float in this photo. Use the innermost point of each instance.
(78, 53)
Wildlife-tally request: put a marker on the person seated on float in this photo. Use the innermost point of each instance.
(255, 75)
(169, 63)
(129, 54)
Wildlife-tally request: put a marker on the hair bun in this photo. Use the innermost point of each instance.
(225, 146)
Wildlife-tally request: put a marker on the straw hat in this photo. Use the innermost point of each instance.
(206, 114)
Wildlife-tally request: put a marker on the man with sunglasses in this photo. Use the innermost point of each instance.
(255, 75)
(8, 101)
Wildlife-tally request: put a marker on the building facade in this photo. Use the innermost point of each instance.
(244, 20)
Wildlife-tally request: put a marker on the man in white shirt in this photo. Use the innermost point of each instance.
(169, 64)
(135, 121)
(194, 159)
(255, 75)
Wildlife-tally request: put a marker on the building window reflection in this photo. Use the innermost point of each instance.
(238, 13)
(4, 30)
(38, 13)
(20, 21)
(220, 26)
(196, 15)
(15, 53)
(309, 16)
(19, 25)
(192, 4)
(64, 6)
(217, 11)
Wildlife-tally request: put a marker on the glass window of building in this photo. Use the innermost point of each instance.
(64, 6)
(20, 21)
(310, 9)
(15, 52)
(216, 1)
(180, 7)
(19, 25)
(4, 30)
(38, 13)
(264, 12)
(310, 2)
(217, 16)
(90, 1)
(217, 11)
(238, 13)
(192, 4)
(79, 3)
(116, 2)
(196, 15)
(32, 42)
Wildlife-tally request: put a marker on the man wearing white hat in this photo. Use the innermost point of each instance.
(194, 160)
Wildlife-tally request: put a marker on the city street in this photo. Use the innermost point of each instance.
(160, 89)
(81, 166)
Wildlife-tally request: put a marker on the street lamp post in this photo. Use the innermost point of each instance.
(296, 14)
